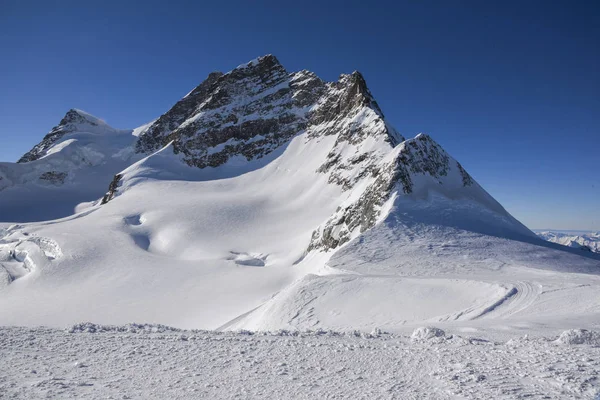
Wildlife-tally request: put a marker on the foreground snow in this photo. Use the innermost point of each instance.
(156, 362)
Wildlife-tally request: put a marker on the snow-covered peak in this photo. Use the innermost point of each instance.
(267, 59)
(417, 169)
(586, 241)
(72, 164)
(257, 108)
(234, 120)
(79, 117)
(74, 121)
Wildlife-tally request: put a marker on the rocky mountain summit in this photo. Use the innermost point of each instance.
(259, 106)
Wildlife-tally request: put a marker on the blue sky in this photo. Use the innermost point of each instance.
(510, 89)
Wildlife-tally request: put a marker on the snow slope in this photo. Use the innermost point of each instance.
(444, 275)
(271, 200)
(185, 241)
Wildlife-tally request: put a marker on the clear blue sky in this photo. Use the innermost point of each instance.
(510, 89)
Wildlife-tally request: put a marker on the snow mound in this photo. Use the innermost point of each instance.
(88, 327)
(427, 333)
(248, 259)
(579, 336)
(22, 254)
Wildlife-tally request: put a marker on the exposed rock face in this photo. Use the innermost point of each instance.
(418, 157)
(350, 112)
(54, 177)
(247, 112)
(466, 178)
(258, 107)
(156, 136)
(112, 189)
(71, 122)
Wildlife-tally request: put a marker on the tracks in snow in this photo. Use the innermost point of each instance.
(198, 364)
(522, 295)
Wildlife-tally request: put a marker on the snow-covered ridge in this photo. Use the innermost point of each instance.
(73, 121)
(583, 241)
(416, 168)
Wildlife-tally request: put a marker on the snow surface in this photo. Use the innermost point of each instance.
(157, 362)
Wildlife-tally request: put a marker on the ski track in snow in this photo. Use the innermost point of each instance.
(521, 296)
(158, 363)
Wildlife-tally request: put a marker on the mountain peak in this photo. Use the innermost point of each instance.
(259, 181)
(258, 106)
(266, 60)
(357, 92)
(267, 68)
(73, 121)
(76, 116)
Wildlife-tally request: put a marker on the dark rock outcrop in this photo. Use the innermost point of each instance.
(112, 189)
(54, 177)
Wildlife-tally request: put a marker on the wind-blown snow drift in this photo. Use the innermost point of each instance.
(265, 199)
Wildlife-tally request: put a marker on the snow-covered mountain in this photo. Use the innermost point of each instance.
(584, 241)
(268, 199)
(71, 165)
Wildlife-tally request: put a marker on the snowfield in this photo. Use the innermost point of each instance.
(156, 362)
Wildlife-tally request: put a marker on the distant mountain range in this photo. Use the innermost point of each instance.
(578, 240)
